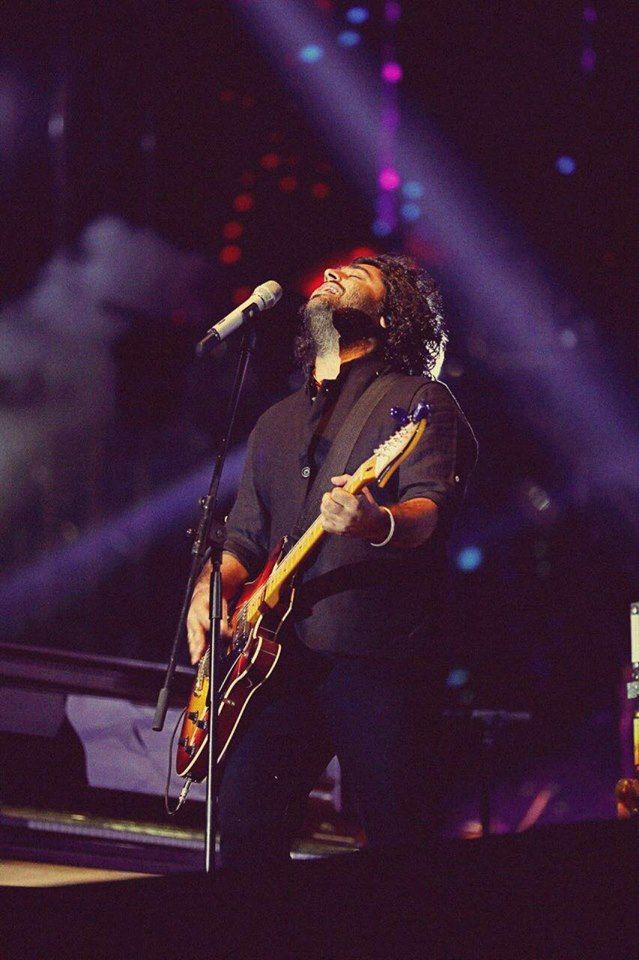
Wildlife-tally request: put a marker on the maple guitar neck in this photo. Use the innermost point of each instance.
(270, 593)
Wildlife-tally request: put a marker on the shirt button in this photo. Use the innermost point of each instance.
(306, 472)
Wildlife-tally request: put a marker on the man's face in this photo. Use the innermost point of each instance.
(358, 286)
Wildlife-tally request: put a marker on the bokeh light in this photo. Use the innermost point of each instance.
(565, 165)
(232, 230)
(469, 559)
(244, 202)
(392, 11)
(230, 254)
(288, 184)
(382, 228)
(389, 179)
(348, 38)
(392, 72)
(457, 677)
(357, 15)
(240, 294)
(311, 53)
(411, 211)
(413, 190)
(270, 161)
(320, 190)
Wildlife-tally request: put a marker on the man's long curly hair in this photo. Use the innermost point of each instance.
(416, 333)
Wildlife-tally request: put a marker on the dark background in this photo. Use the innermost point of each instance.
(169, 111)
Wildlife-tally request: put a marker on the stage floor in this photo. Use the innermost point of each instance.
(19, 873)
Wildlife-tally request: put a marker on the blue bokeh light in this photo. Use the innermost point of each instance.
(357, 15)
(411, 211)
(382, 228)
(457, 678)
(311, 53)
(348, 38)
(413, 190)
(565, 165)
(469, 559)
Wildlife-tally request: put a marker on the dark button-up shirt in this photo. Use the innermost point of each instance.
(353, 598)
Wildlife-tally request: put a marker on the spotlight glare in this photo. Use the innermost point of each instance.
(311, 53)
(357, 15)
(565, 165)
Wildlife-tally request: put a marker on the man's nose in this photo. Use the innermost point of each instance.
(331, 274)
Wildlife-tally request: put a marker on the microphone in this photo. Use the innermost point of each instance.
(263, 298)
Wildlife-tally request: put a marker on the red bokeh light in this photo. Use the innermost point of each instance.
(179, 316)
(288, 184)
(230, 254)
(232, 230)
(240, 294)
(424, 250)
(226, 96)
(269, 161)
(244, 202)
(320, 190)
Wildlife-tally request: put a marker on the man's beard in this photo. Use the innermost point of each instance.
(317, 318)
(329, 327)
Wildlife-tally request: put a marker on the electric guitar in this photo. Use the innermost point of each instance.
(263, 607)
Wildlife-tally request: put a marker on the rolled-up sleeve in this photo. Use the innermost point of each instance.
(439, 466)
(248, 524)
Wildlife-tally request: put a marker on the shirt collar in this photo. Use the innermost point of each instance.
(366, 367)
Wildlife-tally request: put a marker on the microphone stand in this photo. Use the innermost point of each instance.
(209, 544)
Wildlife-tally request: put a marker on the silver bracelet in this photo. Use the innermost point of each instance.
(389, 536)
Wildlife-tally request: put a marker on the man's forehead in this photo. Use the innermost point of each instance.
(368, 268)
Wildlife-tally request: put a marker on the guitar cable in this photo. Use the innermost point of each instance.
(188, 780)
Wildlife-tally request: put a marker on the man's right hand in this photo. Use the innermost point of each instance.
(197, 621)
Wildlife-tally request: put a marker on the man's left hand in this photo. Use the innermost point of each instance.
(353, 516)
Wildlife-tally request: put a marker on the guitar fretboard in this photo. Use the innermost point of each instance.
(270, 592)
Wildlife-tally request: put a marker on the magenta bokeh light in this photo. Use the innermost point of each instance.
(392, 11)
(389, 179)
(392, 72)
(588, 59)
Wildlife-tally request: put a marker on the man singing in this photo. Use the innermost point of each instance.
(360, 670)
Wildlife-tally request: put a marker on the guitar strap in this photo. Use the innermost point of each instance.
(341, 449)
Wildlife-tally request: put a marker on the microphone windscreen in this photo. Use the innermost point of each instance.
(269, 292)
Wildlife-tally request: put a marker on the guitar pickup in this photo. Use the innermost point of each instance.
(186, 746)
